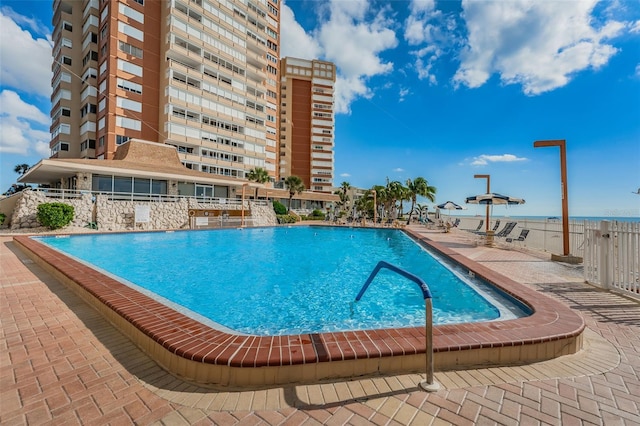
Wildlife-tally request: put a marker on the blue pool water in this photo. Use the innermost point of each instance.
(277, 281)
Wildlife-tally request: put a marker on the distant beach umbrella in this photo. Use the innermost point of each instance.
(494, 199)
(450, 205)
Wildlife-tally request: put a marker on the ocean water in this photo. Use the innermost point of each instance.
(571, 218)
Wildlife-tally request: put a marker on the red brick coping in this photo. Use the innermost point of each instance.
(552, 330)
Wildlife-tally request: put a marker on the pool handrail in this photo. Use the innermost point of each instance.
(429, 385)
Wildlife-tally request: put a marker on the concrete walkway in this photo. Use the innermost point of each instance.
(62, 363)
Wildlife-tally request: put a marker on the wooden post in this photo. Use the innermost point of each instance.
(488, 178)
(563, 182)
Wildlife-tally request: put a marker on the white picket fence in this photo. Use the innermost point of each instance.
(612, 255)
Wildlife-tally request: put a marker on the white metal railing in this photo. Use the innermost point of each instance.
(132, 196)
(544, 234)
(612, 255)
(222, 221)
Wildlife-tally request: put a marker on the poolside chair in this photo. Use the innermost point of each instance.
(521, 237)
(495, 227)
(478, 228)
(506, 230)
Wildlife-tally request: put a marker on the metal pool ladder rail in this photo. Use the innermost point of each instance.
(429, 385)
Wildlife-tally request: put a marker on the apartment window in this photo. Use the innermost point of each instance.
(131, 50)
(101, 141)
(105, 13)
(101, 123)
(128, 123)
(129, 67)
(66, 60)
(130, 31)
(120, 139)
(128, 104)
(131, 13)
(88, 144)
(90, 73)
(87, 109)
(129, 86)
(90, 56)
(139, 2)
(103, 67)
(104, 32)
(102, 104)
(67, 26)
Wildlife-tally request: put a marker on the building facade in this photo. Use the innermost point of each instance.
(307, 122)
(200, 75)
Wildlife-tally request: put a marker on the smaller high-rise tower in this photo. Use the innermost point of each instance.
(307, 122)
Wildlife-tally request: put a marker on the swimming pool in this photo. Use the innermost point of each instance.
(281, 281)
(197, 352)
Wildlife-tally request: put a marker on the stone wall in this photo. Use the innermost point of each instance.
(119, 215)
(24, 214)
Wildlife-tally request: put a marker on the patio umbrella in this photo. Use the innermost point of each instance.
(493, 199)
(450, 205)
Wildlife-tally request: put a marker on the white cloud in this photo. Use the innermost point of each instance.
(26, 61)
(484, 159)
(298, 44)
(351, 34)
(403, 94)
(537, 44)
(434, 31)
(17, 119)
(398, 170)
(345, 175)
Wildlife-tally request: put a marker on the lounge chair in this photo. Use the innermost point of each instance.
(504, 232)
(478, 228)
(495, 227)
(521, 237)
(456, 223)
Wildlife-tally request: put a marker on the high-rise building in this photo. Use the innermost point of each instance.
(307, 122)
(201, 75)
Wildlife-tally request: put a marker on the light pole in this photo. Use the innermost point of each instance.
(563, 182)
(244, 185)
(375, 208)
(488, 178)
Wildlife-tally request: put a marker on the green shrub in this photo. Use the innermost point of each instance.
(286, 218)
(317, 214)
(2, 218)
(55, 215)
(279, 208)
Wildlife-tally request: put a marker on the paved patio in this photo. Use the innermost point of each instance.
(62, 363)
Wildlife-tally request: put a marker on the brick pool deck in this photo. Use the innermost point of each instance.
(62, 363)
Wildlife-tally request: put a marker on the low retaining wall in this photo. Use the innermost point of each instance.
(120, 215)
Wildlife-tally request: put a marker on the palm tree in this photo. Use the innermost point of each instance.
(21, 169)
(421, 210)
(342, 192)
(259, 175)
(420, 186)
(382, 195)
(295, 185)
(395, 192)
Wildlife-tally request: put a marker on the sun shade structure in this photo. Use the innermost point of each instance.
(494, 199)
(450, 205)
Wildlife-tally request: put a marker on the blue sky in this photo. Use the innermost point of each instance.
(442, 90)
